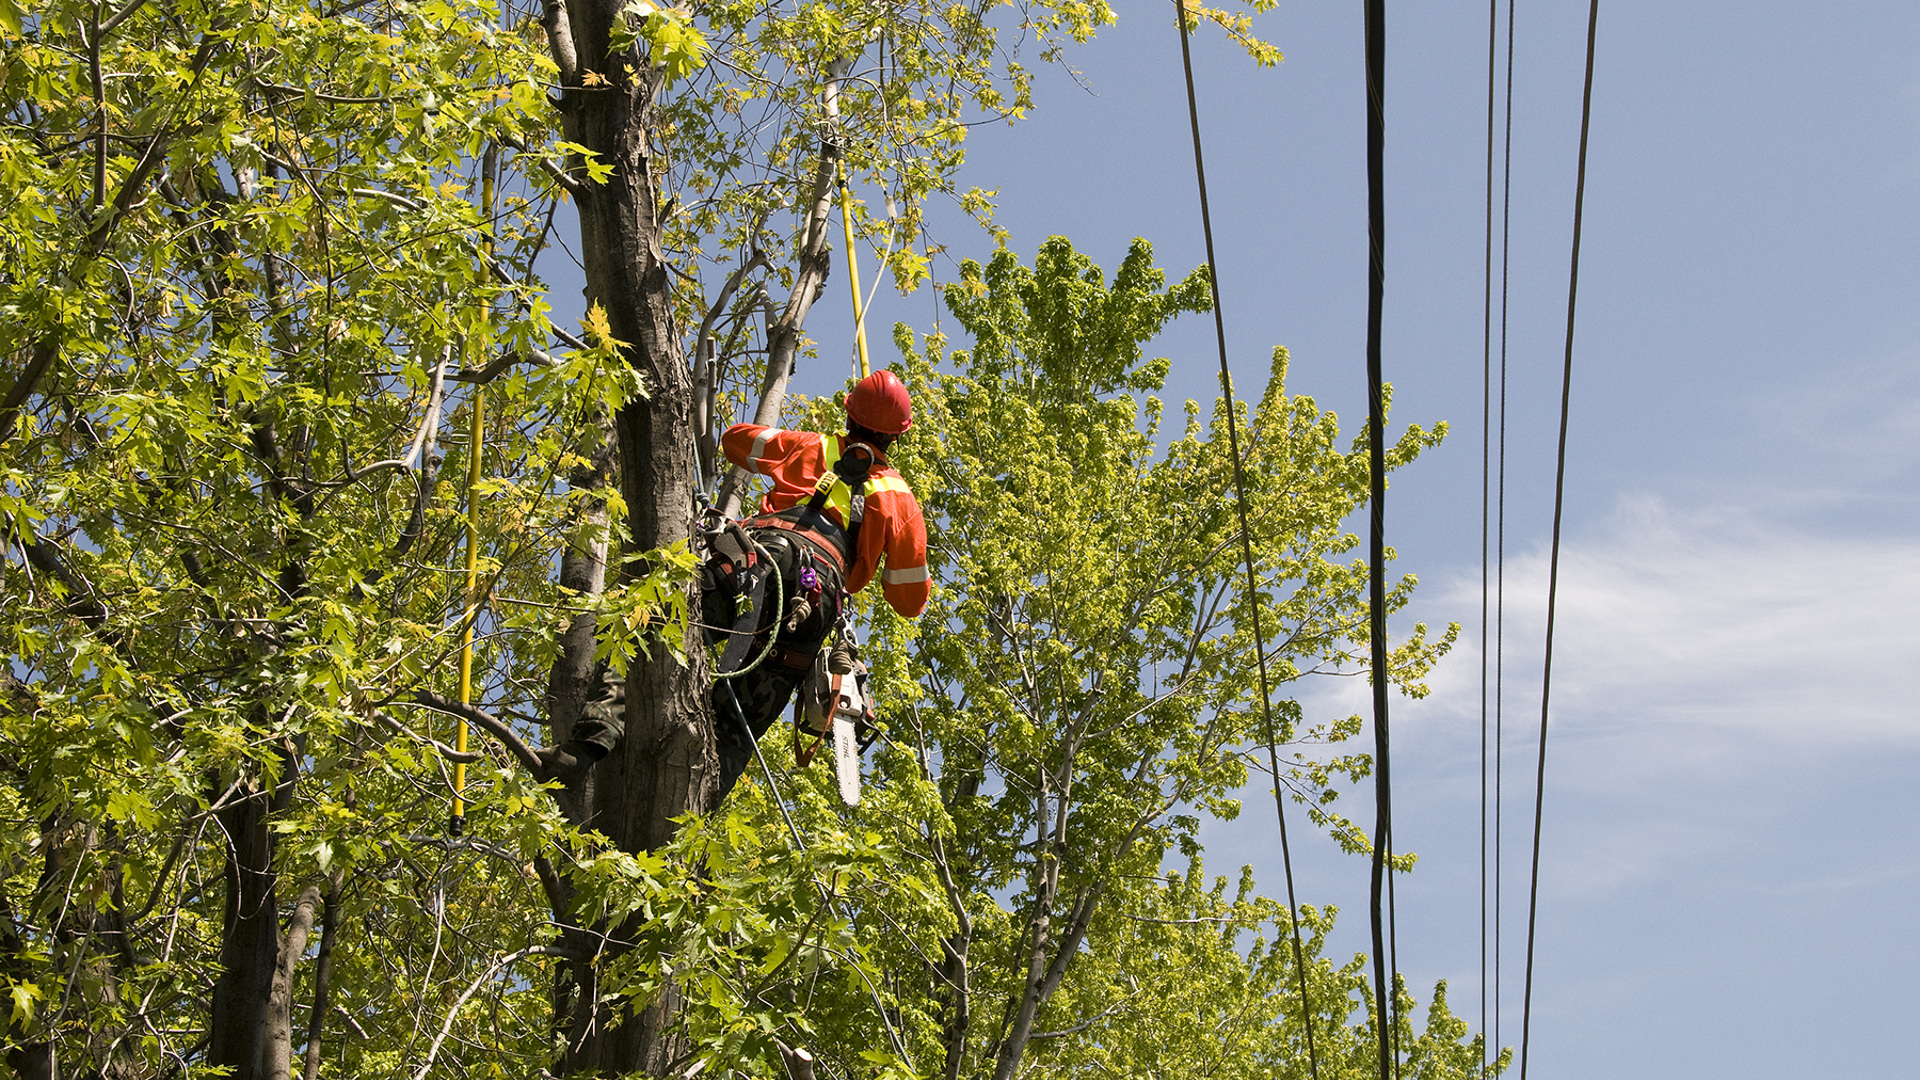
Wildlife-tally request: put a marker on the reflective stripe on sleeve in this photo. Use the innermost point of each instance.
(760, 442)
(887, 483)
(904, 577)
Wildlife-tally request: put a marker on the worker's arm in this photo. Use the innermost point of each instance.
(759, 448)
(905, 582)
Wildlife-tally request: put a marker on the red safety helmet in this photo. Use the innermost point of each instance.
(880, 403)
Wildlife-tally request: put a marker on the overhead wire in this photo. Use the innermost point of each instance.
(1496, 485)
(1246, 541)
(1386, 1001)
(1500, 554)
(1559, 502)
(1486, 477)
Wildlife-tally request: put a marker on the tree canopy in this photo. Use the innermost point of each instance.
(271, 289)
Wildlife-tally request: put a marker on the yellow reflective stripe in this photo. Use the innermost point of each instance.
(904, 577)
(839, 496)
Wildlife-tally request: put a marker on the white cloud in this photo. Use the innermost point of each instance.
(1848, 431)
(1706, 662)
(1670, 621)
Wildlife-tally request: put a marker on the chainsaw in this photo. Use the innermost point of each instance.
(835, 704)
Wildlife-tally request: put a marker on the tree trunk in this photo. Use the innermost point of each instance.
(250, 941)
(323, 977)
(279, 1033)
(666, 765)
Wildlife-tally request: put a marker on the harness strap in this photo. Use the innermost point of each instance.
(844, 482)
(829, 541)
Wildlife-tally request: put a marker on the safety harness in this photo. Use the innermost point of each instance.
(833, 701)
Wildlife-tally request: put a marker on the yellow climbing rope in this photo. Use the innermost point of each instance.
(475, 445)
(853, 270)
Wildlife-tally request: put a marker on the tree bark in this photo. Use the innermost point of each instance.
(954, 990)
(1048, 958)
(1038, 939)
(666, 765)
(323, 977)
(279, 1033)
(249, 943)
(34, 1060)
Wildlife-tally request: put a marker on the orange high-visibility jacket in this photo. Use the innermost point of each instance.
(891, 526)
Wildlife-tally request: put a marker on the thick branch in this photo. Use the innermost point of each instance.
(322, 977)
(560, 40)
(569, 184)
(83, 601)
(783, 337)
(443, 749)
(487, 720)
(505, 362)
(45, 351)
(124, 14)
(1022, 1009)
(279, 1034)
(336, 99)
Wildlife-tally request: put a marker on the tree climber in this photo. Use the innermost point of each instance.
(867, 516)
(826, 539)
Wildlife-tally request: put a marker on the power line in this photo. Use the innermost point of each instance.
(1376, 40)
(1246, 538)
(1559, 492)
(1500, 552)
(1486, 478)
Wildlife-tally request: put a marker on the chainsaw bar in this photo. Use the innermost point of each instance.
(846, 759)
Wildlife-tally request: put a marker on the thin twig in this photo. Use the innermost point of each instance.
(511, 958)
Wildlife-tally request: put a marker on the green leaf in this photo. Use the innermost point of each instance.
(26, 997)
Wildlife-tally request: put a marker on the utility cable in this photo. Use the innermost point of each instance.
(1553, 564)
(1486, 493)
(1386, 1003)
(1500, 550)
(1246, 542)
(1493, 530)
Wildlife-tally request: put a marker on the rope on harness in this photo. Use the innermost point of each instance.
(1246, 545)
(779, 614)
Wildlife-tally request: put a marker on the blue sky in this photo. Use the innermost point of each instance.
(1730, 854)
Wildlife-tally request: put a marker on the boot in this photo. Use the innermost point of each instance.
(568, 764)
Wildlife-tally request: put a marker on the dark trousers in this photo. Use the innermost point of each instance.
(761, 693)
(753, 701)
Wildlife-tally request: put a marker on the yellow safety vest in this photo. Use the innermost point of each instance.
(839, 495)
